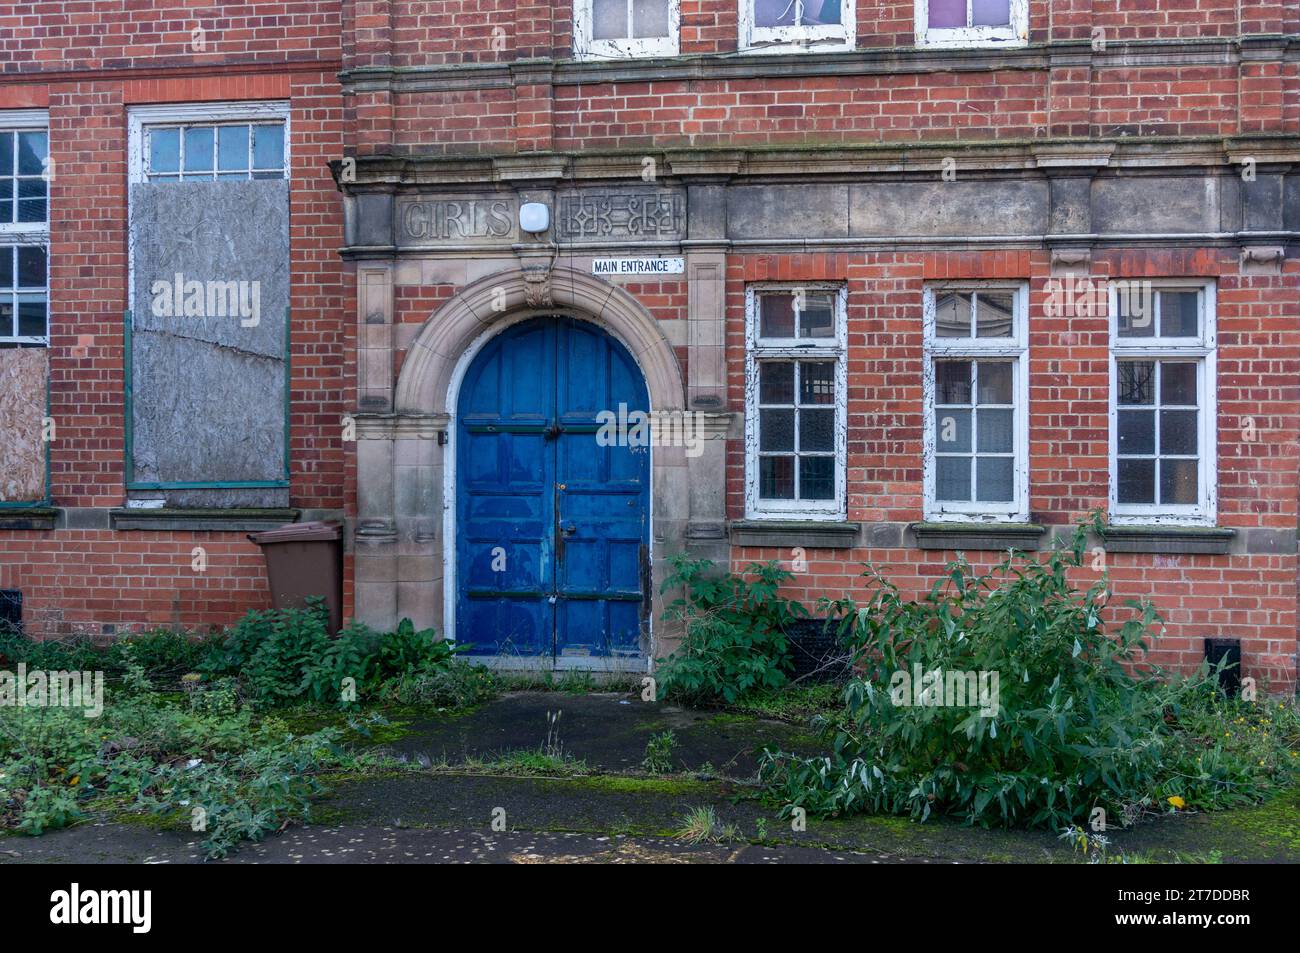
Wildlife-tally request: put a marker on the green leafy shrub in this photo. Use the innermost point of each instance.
(148, 750)
(246, 795)
(274, 651)
(734, 640)
(71, 653)
(285, 656)
(166, 655)
(659, 753)
(1079, 721)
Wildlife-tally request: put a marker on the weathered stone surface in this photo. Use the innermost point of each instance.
(23, 375)
(1155, 204)
(963, 207)
(208, 383)
(788, 211)
(1291, 216)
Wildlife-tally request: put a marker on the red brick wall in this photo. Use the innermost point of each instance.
(59, 35)
(94, 61)
(1250, 596)
(1222, 98)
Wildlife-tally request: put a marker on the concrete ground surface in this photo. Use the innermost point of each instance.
(464, 795)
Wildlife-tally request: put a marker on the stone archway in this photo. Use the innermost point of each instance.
(401, 561)
(424, 384)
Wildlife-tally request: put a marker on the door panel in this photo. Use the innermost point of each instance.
(553, 528)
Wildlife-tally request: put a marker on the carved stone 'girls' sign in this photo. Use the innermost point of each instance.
(426, 221)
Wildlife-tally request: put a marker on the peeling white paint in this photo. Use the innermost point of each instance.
(1015, 350)
(1015, 34)
(1202, 350)
(586, 47)
(800, 37)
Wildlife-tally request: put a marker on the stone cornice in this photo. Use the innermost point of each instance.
(879, 61)
(385, 173)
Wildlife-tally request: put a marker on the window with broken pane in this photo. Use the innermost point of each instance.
(214, 151)
(796, 430)
(797, 24)
(24, 177)
(774, 13)
(1157, 425)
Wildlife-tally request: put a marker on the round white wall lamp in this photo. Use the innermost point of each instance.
(534, 217)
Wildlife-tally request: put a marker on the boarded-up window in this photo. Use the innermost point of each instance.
(23, 376)
(25, 172)
(209, 321)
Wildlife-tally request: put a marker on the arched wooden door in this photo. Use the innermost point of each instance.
(552, 524)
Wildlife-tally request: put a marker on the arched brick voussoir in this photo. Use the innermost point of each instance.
(426, 376)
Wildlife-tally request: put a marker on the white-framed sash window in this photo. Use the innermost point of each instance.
(795, 403)
(26, 172)
(784, 26)
(976, 391)
(1163, 440)
(962, 23)
(619, 29)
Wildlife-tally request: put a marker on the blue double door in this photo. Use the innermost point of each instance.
(552, 516)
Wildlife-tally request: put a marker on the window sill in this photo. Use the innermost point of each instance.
(1168, 539)
(810, 534)
(28, 517)
(221, 521)
(1026, 537)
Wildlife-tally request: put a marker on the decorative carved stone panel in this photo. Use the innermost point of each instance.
(626, 214)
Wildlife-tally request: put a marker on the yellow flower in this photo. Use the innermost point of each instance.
(75, 779)
(1177, 802)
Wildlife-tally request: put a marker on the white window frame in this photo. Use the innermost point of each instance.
(585, 47)
(140, 118)
(28, 233)
(841, 37)
(1017, 34)
(1013, 349)
(1203, 351)
(833, 349)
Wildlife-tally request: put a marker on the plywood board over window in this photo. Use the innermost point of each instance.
(208, 348)
(24, 373)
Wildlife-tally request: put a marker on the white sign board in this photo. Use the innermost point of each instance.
(637, 266)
